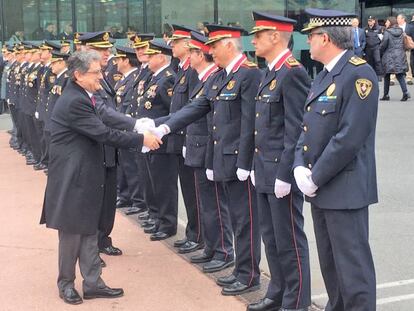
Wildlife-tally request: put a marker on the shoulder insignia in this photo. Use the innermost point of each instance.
(114, 62)
(52, 79)
(117, 77)
(249, 64)
(66, 75)
(363, 87)
(292, 62)
(168, 73)
(355, 60)
(170, 92)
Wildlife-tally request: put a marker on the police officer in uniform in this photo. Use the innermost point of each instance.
(335, 161)
(279, 110)
(185, 81)
(214, 213)
(373, 32)
(230, 154)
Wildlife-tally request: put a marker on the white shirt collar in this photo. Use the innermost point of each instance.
(89, 93)
(273, 63)
(63, 71)
(159, 70)
(229, 68)
(202, 74)
(144, 65)
(129, 72)
(333, 62)
(403, 26)
(48, 64)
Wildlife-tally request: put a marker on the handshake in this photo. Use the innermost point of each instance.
(152, 134)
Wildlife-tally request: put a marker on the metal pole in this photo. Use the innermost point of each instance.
(74, 21)
(145, 19)
(3, 24)
(216, 11)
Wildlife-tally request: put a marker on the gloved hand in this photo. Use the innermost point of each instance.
(151, 142)
(282, 188)
(210, 174)
(252, 178)
(161, 131)
(184, 151)
(242, 174)
(143, 124)
(303, 177)
(37, 115)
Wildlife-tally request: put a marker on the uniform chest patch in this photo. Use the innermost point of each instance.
(152, 91)
(331, 89)
(231, 84)
(363, 87)
(272, 85)
(182, 81)
(148, 105)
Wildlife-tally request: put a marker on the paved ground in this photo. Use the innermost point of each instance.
(391, 226)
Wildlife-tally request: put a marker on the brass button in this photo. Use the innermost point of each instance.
(257, 114)
(255, 132)
(215, 142)
(214, 127)
(305, 148)
(323, 112)
(275, 159)
(260, 97)
(182, 132)
(305, 128)
(309, 108)
(215, 112)
(256, 150)
(310, 165)
(217, 98)
(236, 151)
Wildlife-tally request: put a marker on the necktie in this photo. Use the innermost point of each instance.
(93, 99)
(356, 38)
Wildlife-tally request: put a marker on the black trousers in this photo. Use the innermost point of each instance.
(34, 137)
(45, 143)
(345, 258)
(287, 252)
(132, 176)
(193, 230)
(242, 204)
(373, 58)
(162, 198)
(214, 216)
(107, 220)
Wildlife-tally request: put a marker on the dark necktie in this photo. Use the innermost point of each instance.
(93, 99)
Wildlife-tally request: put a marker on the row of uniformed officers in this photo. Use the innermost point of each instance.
(246, 145)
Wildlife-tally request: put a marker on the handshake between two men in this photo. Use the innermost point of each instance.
(152, 141)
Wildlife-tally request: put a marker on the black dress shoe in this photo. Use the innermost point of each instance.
(264, 304)
(202, 258)
(150, 230)
(144, 216)
(226, 280)
(134, 210)
(105, 292)
(31, 162)
(111, 251)
(158, 236)
(46, 171)
(238, 288)
(103, 263)
(405, 97)
(70, 296)
(217, 265)
(385, 97)
(180, 243)
(148, 223)
(189, 247)
(39, 167)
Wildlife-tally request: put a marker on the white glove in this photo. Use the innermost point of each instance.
(143, 124)
(210, 174)
(242, 174)
(303, 177)
(145, 149)
(252, 178)
(161, 130)
(282, 188)
(36, 115)
(184, 151)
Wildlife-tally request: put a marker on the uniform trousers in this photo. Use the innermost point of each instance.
(286, 246)
(162, 198)
(214, 217)
(74, 247)
(45, 142)
(241, 198)
(107, 220)
(345, 258)
(373, 58)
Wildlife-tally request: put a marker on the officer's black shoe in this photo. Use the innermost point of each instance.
(226, 280)
(264, 304)
(189, 247)
(40, 166)
(158, 236)
(201, 258)
(111, 251)
(410, 82)
(148, 223)
(405, 97)
(103, 263)
(134, 210)
(150, 230)
(143, 216)
(179, 243)
(238, 288)
(70, 296)
(385, 97)
(217, 265)
(46, 171)
(31, 162)
(105, 292)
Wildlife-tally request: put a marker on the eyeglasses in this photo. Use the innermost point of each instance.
(310, 35)
(95, 72)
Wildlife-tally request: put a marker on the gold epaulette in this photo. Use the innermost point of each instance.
(292, 62)
(249, 64)
(355, 60)
(168, 73)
